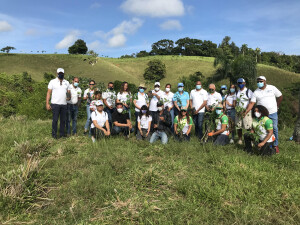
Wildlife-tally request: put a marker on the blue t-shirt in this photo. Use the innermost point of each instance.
(181, 98)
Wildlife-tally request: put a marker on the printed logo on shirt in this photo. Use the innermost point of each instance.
(271, 125)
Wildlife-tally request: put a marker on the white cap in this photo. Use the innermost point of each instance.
(60, 70)
(156, 83)
(261, 78)
(99, 102)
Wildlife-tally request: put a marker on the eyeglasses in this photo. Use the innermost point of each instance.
(92, 84)
(240, 82)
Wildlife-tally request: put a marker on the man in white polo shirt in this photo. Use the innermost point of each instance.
(57, 90)
(198, 101)
(214, 98)
(270, 97)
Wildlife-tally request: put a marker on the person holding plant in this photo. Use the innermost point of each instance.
(88, 95)
(125, 97)
(121, 121)
(140, 99)
(213, 99)
(144, 124)
(229, 104)
(261, 133)
(183, 125)
(109, 100)
(97, 97)
(223, 91)
(181, 99)
(168, 102)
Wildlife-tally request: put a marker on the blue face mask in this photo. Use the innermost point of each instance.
(218, 111)
(260, 84)
(232, 90)
(76, 84)
(144, 111)
(142, 90)
(241, 86)
(180, 89)
(198, 87)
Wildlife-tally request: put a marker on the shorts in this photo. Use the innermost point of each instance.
(245, 122)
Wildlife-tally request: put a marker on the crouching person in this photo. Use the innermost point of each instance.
(100, 125)
(221, 135)
(183, 125)
(162, 122)
(121, 121)
(144, 124)
(262, 127)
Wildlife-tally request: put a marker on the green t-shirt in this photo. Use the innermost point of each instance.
(222, 119)
(183, 125)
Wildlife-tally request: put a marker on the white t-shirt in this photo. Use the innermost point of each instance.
(244, 99)
(101, 118)
(230, 99)
(267, 98)
(124, 97)
(85, 94)
(168, 99)
(110, 97)
(59, 91)
(154, 100)
(214, 99)
(198, 97)
(144, 121)
(141, 100)
(75, 94)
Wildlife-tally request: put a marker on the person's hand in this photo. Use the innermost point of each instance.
(261, 144)
(162, 118)
(110, 107)
(244, 114)
(48, 107)
(178, 108)
(147, 133)
(155, 125)
(130, 126)
(169, 109)
(210, 134)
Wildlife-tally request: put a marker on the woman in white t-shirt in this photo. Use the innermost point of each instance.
(125, 97)
(229, 105)
(144, 124)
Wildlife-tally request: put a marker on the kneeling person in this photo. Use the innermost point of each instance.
(183, 125)
(100, 125)
(161, 123)
(121, 121)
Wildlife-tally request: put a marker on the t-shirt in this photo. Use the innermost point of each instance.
(263, 125)
(85, 94)
(168, 99)
(267, 98)
(75, 94)
(154, 100)
(183, 124)
(244, 99)
(181, 99)
(230, 99)
(144, 121)
(101, 118)
(214, 99)
(59, 91)
(124, 97)
(141, 99)
(198, 97)
(110, 97)
(222, 119)
(120, 117)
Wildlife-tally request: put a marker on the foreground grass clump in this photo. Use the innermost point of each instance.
(114, 181)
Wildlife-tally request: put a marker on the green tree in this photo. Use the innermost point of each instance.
(189, 82)
(79, 47)
(257, 55)
(155, 71)
(143, 53)
(7, 49)
(162, 47)
(244, 49)
(296, 136)
(244, 66)
(92, 53)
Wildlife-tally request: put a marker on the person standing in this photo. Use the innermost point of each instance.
(168, 102)
(156, 94)
(270, 97)
(198, 101)
(57, 90)
(72, 105)
(140, 99)
(109, 99)
(214, 98)
(125, 97)
(223, 91)
(229, 104)
(181, 99)
(121, 121)
(88, 95)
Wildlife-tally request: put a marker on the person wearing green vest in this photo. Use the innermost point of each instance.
(221, 135)
(261, 133)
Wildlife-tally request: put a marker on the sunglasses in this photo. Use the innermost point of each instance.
(240, 82)
(260, 81)
(92, 84)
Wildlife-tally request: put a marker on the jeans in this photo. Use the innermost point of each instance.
(72, 112)
(172, 118)
(88, 120)
(231, 113)
(125, 130)
(109, 114)
(198, 121)
(128, 110)
(58, 111)
(274, 118)
(159, 134)
(136, 123)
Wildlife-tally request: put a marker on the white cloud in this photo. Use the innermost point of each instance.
(154, 8)
(171, 25)
(128, 27)
(95, 5)
(95, 45)
(5, 26)
(68, 40)
(31, 32)
(117, 40)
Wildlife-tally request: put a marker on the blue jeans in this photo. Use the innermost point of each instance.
(159, 134)
(59, 111)
(274, 118)
(88, 119)
(72, 112)
(198, 121)
(128, 110)
(125, 130)
(172, 118)
(231, 114)
(109, 114)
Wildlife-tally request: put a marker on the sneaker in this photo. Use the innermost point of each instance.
(93, 139)
(277, 149)
(231, 141)
(85, 132)
(240, 142)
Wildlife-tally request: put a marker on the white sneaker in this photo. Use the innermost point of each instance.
(231, 141)
(240, 142)
(93, 139)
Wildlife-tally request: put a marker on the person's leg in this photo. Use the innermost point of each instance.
(68, 118)
(125, 130)
(186, 137)
(55, 111)
(248, 145)
(274, 118)
(74, 118)
(164, 138)
(267, 149)
(200, 124)
(222, 139)
(88, 118)
(136, 123)
(63, 115)
(195, 120)
(139, 135)
(115, 130)
(154, 137)
(108, 111)
(172, 118)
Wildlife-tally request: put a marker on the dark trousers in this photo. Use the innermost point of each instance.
(142, 136)
(72, 112)
(221, 139)
(182, 137)
(124, 130)
(136, 123)
(61, 112)
(268, 149)
(153, 114)
(109, 114)
(97, 133)
(198, 121)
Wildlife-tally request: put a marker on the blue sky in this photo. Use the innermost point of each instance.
(116, 27)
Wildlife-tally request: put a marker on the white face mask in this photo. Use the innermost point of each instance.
(257, 114)
(167, 89)
(120, 110)
(160, 108)
(156, 89)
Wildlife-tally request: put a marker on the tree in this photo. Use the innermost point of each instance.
(244, 66)
(296, 136)
(257, 54)
(7, 49)
(244, 49)
(189, 82)
(143, 53)
(79, 47)
(92, 53)
(155, 71)
(162, 47)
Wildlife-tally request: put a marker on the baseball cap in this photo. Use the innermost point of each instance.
(224, 86)
(156, 83)
(60, 70)
(241, 80)
(261, 78)
(98, 103)
(219, 106)
(180, 85)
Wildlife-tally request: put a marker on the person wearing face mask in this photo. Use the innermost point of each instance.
(270, 97)
(121, 121)
(243, 97)
(168, 102)
(144, 124)
(183, 124)
(229, 104)
(156, 94)
(125, 97)
(140, 99)
(88, 95)
(109, 100)
(72, 105)
(264, 128)
(162, 124)
(57, 90)
(221, 135)
(223, 91)
(213, 99)
(181, 99)
(198, 101)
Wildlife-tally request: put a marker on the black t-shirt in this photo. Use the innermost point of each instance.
(120, 117)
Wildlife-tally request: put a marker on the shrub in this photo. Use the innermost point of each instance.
(155, 71)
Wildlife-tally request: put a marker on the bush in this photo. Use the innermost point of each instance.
(155, 71)
(190, 81)
(79, 47)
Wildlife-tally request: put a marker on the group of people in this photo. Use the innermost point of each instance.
(160, 114)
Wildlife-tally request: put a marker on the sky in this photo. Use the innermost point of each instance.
(117, 27)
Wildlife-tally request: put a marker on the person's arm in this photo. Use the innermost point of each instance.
(48, 106)
(85, 95)
(249, 108)
(201, 106)
(107, 133)
(106, 104)
(149, 127)
(135, 104)
(97, 126)
(189, 130)
(223, 128)
(129, 123)
(191, 103)
(269, 135)
(175, 103)
(187, 103)
(279, 100)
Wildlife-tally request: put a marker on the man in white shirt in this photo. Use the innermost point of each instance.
(109, 100)
(270, 97)
(214, 98)
(157, 94)
(168, 102)
(139, 99)
(198, 101)
(73, 103)
(57, 90)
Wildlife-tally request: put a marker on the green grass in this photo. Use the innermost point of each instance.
(72, 181)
